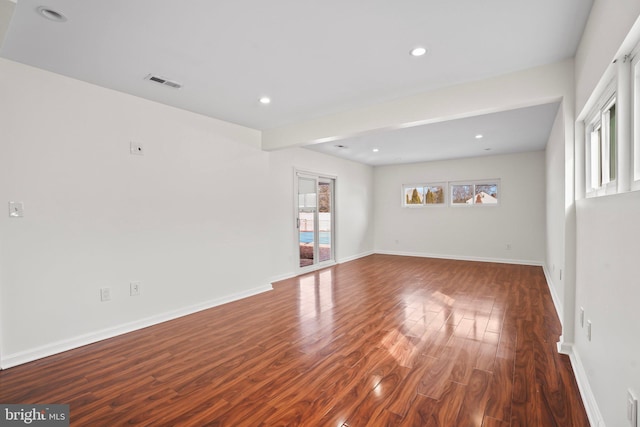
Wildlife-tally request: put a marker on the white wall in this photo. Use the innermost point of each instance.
(472, 232)
(608, 289)
(193, 219)
(96, 216)
(607, 241)
(555, 211)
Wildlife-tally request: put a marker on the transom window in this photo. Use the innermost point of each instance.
(483, 193)
(601, 149)
(463, 193)
(424, 194)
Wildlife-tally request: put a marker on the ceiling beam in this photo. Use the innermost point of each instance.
(535, 86)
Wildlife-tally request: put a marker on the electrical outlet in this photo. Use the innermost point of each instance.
(632, 409)
(589, 330)
(105, 294)
(136, 148)
(134, 289)
(582, 317)
(508, 246)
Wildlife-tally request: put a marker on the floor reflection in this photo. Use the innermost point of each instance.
(399, 347)
(316, 301)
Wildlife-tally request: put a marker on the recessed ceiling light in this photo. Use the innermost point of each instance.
(375, 150)
(418, 51)
(479, 136)
(51, 14)
(265, 100)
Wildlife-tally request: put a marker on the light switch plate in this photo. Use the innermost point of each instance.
(134, 288)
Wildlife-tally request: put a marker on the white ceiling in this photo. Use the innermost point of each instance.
(313, 58)
(519, 130)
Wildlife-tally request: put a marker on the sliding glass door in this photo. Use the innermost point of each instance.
(314, 220)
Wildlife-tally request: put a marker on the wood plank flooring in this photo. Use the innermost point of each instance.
(380, 341)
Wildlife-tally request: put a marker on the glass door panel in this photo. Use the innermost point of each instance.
(306, 220)
(315, 219)
(325, 195)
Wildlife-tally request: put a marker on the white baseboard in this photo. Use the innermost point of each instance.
(588, 398)
(554, 295)
(462, 257)
(562, 346)
(281, 277)
(355, 257)
(22, 357)
(292, 274)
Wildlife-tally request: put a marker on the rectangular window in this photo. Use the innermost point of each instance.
(601, 147)
(593, 155)
(423, 194)
(486, 194)
(413, 195)
(461, 194)
(434, 194)
(475, 193)
(608, 145)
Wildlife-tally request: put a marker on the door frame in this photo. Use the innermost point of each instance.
(317, 265)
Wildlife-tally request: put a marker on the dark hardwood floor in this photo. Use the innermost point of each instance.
(380, 341)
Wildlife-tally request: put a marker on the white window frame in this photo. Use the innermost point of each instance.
(606, 150)
(598, 181)
(474, 183)
(592, 152)
(635, 120)
(424, 203)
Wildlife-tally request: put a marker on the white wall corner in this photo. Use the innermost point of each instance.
(291, 275)
(356, 256)
(554, 296)
(462, 257)
(22, 357)
(281, 277)
(588, 398)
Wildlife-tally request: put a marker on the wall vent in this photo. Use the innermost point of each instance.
(163, 81)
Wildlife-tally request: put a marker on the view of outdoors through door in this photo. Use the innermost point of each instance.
(324, 221)
(314, 222)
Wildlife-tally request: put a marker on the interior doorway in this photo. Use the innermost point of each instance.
(315, 220)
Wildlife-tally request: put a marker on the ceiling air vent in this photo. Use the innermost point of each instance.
(163, 81)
